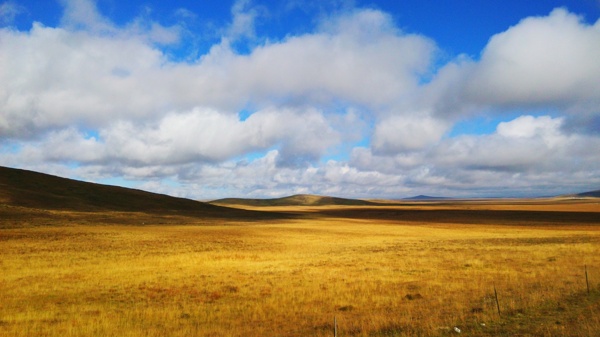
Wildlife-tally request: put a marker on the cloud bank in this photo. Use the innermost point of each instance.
(355, 108)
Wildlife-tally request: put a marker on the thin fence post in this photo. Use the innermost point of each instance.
(334, 326)
(587, 282)
(497, 302)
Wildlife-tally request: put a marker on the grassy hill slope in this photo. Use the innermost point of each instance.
(39, 191)
(294, 200)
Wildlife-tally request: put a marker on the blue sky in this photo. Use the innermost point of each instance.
(364, 99)
(457, 26)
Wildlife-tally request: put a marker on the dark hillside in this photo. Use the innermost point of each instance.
(38, 190)
(34, 190)
(592, 194)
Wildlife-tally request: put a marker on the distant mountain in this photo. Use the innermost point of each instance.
(591, 194)
(36, 190)
(424, 197)
(294, 200)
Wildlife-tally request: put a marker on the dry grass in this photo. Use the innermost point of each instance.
(69, 274)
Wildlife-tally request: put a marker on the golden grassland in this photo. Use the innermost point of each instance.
(393, 272)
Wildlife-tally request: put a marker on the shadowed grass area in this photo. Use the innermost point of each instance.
(467, 216)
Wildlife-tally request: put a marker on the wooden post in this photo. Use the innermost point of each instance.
(497, 302)
(334, 326)
(587, 282)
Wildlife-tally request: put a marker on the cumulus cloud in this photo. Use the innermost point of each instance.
(542, 63)
(200, 135)
(532, 147)
(264, 177)
(335, 63)
(53, 78)
(525, 156)
(57, 77)
(407, 133)
(542, 60)
(65, 75)
(521, 144)
(204, 135)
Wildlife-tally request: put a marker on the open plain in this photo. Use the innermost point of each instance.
(484, 268)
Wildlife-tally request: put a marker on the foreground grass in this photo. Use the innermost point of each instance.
(291, 278)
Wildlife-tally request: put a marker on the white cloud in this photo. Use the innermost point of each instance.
(529, 127)
(546, 63)
(9, 10)
(80, 75)
(205, 135)
(57, 78)
(263, 177)
(525, 143)
(373, 68)
(244, 16)
(526, 156)
(407, 133)
(83, 14)
(197, 136)
(542, 60)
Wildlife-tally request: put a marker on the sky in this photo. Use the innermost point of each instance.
(260, 99)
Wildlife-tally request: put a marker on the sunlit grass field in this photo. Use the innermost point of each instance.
(121, 274)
